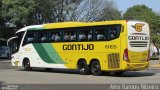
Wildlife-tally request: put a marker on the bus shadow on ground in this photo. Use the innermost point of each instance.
(64, 71)
(126, 74)
(136, 74)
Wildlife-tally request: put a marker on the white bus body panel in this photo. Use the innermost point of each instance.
(29, 52)
(138, 41)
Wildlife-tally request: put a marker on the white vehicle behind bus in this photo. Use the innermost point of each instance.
(4, 52)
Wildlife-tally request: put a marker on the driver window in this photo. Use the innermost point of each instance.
(29, 38)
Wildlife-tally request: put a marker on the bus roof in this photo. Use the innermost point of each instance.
(30, 27)
(68, 25)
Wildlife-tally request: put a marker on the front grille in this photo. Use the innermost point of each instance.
(113, 61)
(138, 43)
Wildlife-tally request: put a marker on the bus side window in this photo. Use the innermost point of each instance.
(114, 31)
(113, 34)
(67, 36)
(100, 33)
(29, 38)
(82, 36)
(85, 34)
(55, 36)
(52, 38)
(73, 36)
(70, 35)
(42, 37)
(90, 35)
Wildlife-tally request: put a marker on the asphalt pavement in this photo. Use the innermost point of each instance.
(61, 79)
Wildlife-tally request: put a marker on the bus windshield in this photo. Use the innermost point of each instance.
(15, 42)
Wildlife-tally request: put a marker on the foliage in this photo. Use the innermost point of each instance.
(156, 39)
(28, 12)
(143, 13)
(1, 21)
(20, 13)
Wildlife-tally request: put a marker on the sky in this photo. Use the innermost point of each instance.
(123, 5)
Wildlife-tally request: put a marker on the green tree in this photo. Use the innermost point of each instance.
(142, 12)
(17, 11)
(1, 20)
(56, 10)
(28, 12)
(20, 13)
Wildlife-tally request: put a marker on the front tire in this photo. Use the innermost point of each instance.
(26, 65)
(96, 68)
(83, 68)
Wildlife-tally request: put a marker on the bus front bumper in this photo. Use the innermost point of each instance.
(16, 62)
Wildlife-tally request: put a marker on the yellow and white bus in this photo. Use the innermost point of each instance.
(93, 47)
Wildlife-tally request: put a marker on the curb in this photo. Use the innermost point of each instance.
(156, 65)
(153, 68)
(5, 61)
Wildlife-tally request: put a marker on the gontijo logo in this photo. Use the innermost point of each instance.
(138, 27)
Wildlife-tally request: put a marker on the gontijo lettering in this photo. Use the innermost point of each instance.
(78, 47)
(138, 38)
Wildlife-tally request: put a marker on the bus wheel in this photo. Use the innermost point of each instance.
(96, 68)
(26, 65)
(83, 67)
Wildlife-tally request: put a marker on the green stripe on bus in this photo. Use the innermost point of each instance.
(52, 53)
(35, 29)
(42, 53)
